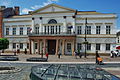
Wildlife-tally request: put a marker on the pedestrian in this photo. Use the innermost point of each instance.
(47, 56)
(25, 51)
(59, 54)
(75, 54)
(14, 52)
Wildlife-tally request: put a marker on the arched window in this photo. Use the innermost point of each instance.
(52, 21)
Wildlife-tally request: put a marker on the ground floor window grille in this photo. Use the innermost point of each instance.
(14, 45)
(69, 47)
(107, 47)
(79, 46)
(21, 45)
(88, 46)
(27, 45)
(35, 45)
(97, 46)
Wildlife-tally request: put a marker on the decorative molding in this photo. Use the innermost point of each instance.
(17, 21)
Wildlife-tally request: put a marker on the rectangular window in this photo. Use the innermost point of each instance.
(27, 45)
(21, 45)
(107, 47)
(28, 30)
(56, 29)
(7, 31)
(69, 30)
(21, 31)
(48, 29)
(14, 31)
(52, 29)
(14, 45)
(69, 47)
(36, 30)
(59, 29)
(79, 30)
(79, 46)
(107, 29)
(88, 46)
(35, 45)
(97, 46)
(45, 29)
(97, 29)
(88, 30)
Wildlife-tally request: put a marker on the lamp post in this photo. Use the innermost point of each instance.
(85, 36)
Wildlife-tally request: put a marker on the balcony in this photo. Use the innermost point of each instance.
(52, 34)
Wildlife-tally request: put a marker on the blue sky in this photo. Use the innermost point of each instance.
(104, 6)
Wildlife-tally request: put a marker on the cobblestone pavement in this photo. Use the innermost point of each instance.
(26, 69)
(64, 58)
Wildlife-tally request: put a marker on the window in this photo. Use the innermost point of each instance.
(107, 47)
(97, 46)
(88, 29)
(59, 29)
(7, 31)
(118, 39)
(52, 29)
(36, 30)
(88, 46)
(21, 31)
(69, 30)
(45, 29)
(52, 21)
(56, 29)
(28, 30)
(69, 47)
(107, 29)
(79, 30)
(97, 29)
(27, 45)
(14, 31)
(35, 45)
(79, 46)
(48, 29)
(21, 45)
(14, 45)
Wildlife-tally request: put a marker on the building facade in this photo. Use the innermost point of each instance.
(54, 29)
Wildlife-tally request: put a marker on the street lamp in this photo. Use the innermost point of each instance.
(85, 36)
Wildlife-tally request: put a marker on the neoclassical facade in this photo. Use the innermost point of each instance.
(54, 29)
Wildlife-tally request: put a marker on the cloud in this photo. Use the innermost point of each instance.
(5, 3)
(25, 10)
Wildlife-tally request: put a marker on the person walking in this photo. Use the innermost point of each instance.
(14, 52)
(25, 51)
(76, 54)
(59, 54)
(46, 55)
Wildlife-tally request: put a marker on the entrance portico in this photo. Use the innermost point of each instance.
(51, 44)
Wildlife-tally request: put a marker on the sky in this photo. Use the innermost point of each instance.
(103, 6)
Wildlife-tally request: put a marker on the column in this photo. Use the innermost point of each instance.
(33, 23)
(41, 47)
(64, 25)
(63, 47)
(40, 24)
(38, 46)
(30, 51)
(44, 46)
(73, 47)
(33, 47)
(57, 46)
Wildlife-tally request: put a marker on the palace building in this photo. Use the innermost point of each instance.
(54, 29)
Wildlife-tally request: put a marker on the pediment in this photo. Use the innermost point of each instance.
(53, 8)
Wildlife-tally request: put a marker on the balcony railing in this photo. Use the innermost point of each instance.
(51, 34)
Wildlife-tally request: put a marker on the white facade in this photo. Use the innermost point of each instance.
(101, 29)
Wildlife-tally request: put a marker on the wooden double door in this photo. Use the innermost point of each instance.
(51, 47)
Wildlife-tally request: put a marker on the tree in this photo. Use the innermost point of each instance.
(4, 43)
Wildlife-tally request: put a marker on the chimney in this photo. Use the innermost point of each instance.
(1, 22)
(17, 10)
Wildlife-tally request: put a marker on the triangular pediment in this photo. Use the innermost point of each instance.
(53, 8)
